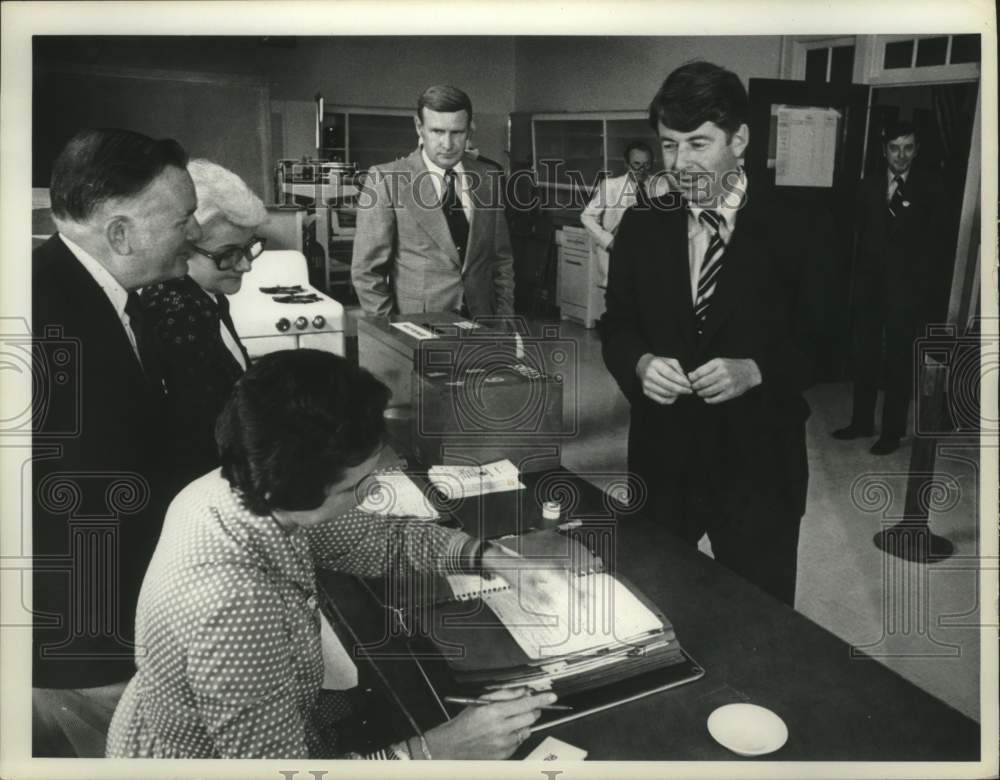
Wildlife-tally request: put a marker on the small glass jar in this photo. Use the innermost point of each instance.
(551, 510)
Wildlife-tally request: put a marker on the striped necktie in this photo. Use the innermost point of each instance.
(708, 276)
(896, 201)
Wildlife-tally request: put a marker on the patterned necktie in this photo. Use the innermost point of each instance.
(710, 266)
(896, 201)
(454, 214)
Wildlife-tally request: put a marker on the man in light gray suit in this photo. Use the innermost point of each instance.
(431, 233)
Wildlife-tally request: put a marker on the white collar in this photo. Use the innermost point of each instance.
(117, 294)
(458, 169)
(890, 175)
(729, 204)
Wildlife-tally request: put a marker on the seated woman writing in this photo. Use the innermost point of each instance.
(231, 663)
(198, 349)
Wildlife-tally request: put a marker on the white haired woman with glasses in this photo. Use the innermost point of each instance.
(199, 353)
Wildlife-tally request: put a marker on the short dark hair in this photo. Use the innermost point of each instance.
(445, 98)
(700, 92)
(897, 129)
(105, 163)
(641, 146)
(294, 422)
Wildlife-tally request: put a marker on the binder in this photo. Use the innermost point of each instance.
(465, 647)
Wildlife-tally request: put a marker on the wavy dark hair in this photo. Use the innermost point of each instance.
(96, 165)
(294, 422)
(897, 129)
(700, 92)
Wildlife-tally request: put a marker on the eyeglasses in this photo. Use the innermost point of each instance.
(230, 257)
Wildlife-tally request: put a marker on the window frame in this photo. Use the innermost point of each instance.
(582, 116)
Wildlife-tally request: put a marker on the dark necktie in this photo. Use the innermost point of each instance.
(708, 276)
(896, 201)
(133, 308)
(223, 303)
(454, 214)
(641, 195)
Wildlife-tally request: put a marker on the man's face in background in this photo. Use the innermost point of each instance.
(900, 152)
(639, 164)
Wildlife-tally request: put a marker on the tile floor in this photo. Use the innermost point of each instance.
(921, 621)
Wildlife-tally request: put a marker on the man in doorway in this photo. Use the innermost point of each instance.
(613, 196)
(431, 232)
(124, 208)
(709, 333)
(899, 234)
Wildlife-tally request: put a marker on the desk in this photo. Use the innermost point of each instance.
(753, 648)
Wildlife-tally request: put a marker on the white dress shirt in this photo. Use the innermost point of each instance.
(699, 234)
(117, 294)
(460, 183)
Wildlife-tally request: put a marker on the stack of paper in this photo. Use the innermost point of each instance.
(456, 482)
(393, 494)
(555, 614)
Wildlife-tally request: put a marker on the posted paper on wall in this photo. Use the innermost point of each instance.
(807, 146)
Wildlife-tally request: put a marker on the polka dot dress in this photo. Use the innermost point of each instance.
(227, 631)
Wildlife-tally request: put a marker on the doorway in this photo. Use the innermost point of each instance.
(943, 115)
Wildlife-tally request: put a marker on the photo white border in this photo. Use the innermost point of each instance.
(20, 20)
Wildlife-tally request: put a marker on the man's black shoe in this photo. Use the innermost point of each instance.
(885, 445)
(852, 432)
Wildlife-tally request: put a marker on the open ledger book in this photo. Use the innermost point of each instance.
(586, 633)
(551, 614)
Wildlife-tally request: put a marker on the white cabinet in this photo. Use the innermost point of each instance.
(581, 280)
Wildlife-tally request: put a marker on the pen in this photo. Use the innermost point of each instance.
(481, 702)
(570, 524)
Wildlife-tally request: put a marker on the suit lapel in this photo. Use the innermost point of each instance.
(672, 266)
(424, 204)
(82, 288)
(480, 194)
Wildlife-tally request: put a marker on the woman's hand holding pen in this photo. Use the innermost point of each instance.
(489, 731)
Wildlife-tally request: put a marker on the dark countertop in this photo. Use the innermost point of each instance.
(838, 704)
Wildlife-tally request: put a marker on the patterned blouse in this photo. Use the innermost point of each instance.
(228, 634)
(198, 369)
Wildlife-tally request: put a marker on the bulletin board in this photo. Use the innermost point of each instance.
(223, 118)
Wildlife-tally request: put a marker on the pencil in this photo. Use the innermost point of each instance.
(481, 702)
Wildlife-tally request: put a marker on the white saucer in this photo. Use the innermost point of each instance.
(747, 729)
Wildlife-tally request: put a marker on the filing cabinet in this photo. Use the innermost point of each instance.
(581, 282)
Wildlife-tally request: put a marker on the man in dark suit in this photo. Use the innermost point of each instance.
(123, 205)
(899, 233)
(431, 234)
(708, 333)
